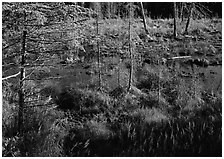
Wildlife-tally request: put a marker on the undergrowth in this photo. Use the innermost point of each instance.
(162, 114)
(129, 126)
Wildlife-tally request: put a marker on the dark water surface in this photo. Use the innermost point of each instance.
(79, 76)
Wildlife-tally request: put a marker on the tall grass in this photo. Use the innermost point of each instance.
(124, 129)
(162, 115)
(134, 135)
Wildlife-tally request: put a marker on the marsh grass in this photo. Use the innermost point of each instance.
(123, 130)
(137, 134)
(162, 115)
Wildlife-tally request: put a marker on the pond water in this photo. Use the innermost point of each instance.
(212, 78)
(83, 74)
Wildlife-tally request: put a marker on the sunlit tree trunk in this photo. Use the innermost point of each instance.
(143, 17)
(130, 49)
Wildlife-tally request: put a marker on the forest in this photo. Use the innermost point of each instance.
(111, 79)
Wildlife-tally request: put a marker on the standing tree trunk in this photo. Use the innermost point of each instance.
(189, 18)
(21, 80)
(109, 9)
(159, 81)
(143, 17)
(181, 12)
(119, 74)
(174, 20)
(98, 45)
(130, 51)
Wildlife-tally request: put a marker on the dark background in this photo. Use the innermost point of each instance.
(165, 9)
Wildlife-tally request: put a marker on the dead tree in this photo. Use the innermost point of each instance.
(130, 50)
(143, 17)
(119, 73)
(182, 11)
(174, 20)
(21, 80)
(189, 17)
(21, 83)
(98, 45)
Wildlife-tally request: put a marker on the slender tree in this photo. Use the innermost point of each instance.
(21, 80)
(130, 49)
(189, 17)
(98, 45)
(174, 20)
(182, 11)
(159, 81)
(119, 73)
(143, 17)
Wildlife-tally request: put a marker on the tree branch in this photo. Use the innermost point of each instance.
(5, 78)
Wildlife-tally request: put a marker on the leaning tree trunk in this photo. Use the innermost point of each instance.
(143, 17)
(189, 18)
(174, 20)
(130, 51)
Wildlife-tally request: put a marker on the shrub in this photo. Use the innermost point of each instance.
(9, 119)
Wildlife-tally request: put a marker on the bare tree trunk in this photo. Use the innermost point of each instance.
(98, 46)
(130, 51)
(177, 10)
(143, 17)
(189, 18)
(119, 10)
(21, 89)
(181, 11)
(159, 82)
(174, 19)
(109, 9)
(119, 74)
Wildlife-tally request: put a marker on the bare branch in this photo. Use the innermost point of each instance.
(50, 41)
(10, 45)
(48, 51)
(9, 64)
(40, 105)
(179, 57)
(5, 78)
(49, 78)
